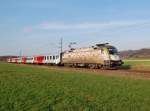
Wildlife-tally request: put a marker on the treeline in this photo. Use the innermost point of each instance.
(141, 53)
(4, 58)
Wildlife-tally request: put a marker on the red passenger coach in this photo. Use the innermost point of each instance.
(24, 59)
(38, 59)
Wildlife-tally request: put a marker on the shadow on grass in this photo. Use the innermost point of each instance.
(125, 66)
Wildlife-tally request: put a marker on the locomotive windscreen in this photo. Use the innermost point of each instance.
(112, 50)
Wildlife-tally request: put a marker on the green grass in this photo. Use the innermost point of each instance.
(26, 88)
(140, 64)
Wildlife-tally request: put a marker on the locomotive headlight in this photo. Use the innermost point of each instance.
(114, 57)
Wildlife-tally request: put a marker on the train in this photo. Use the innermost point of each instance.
(98, 56)
(42, 59)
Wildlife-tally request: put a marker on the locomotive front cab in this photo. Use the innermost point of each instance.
(113, 53)
(111, 57)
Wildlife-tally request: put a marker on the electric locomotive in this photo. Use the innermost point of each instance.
(99, 56)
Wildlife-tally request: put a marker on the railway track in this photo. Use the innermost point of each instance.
(140, 74)
(145, 74)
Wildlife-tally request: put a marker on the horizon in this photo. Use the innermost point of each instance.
(81, 47)
(35, 27)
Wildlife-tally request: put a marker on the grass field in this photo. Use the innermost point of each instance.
(138, 64)
(28, 88)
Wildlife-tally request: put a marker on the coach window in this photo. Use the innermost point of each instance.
(50, 57)
(53, 57)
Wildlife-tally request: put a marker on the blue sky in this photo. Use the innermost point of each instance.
(36, 26)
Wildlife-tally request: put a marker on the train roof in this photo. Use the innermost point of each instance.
(97, 46)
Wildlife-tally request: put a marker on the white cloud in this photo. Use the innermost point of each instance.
(60, 26)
